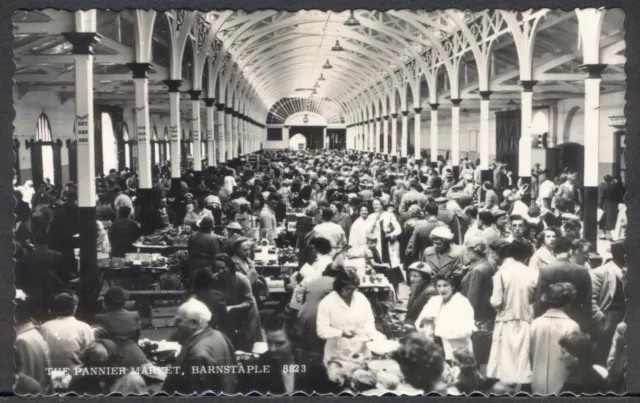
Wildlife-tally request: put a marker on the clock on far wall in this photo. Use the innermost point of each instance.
(305, 119)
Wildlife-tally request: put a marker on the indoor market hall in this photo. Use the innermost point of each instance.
(188, 173)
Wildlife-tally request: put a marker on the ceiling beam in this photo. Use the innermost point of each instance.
(63, 23)
(22, 60)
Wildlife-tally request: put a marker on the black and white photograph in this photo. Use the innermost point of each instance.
(316, 202)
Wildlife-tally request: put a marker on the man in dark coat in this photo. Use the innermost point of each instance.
(41, 273)
(64, 226)
(123, 233)
(420, 239)
(561, 271)
(202, 348)
(161, 216)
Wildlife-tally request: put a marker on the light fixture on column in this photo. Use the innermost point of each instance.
(351, 21)
(321, 78)
(314, 92)
(327, 65)
(317, 85)
(337, 47)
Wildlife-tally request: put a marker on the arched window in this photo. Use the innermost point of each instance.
(156, 146)
(109, 144)
(127, 146)
(43, 136)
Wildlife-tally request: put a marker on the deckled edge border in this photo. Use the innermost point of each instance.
(7, 116)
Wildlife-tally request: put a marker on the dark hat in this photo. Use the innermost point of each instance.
(498, 213)
(206, 222)
(116, 296)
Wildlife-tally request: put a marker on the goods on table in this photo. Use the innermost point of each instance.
(360, 371)
(178, 259)
(147, 260)
(287, 255)
(166, 237)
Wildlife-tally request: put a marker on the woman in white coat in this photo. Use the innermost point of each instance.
(449, 315)
(385, 226)
(345, 319)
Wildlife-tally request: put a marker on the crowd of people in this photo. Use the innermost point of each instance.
(504, 294)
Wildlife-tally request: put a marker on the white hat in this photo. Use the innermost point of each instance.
(441, 232)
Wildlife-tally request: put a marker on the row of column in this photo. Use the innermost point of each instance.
(365, 136)
(234, 129)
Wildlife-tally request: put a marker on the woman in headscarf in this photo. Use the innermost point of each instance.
(241, 257)
(241, 305)
(421, 291)
(477, 286)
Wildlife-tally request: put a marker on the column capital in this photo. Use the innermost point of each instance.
(174, 85)
(228, 111)
(485, 95)
(394, 115)
(417, 110)
(372, 120)
(82, 42)
(456, 101)
(139, 70)
(527, 85)
(195, 94)
(386, 117)
(287, 127)
(220, 107)
(593, 70)
(378, 119)
(209, 101)
(434, 107)
(405, 113)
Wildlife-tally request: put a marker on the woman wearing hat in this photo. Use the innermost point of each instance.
(421, 291)
(449, 315)
(444, 255)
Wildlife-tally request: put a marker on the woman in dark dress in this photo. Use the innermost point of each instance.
(607, 194)
(421, 290)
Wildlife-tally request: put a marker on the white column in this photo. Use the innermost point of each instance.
(211, 147)
(417, 136)
(222, 142)
(524, 153)
(228, 132)
(394, 134)
(84, 124)
(434, 132)
(591, 173)
(455, 133)
(378, 134)
(385, 134)
(405, 134)
(174, 122)
(195, 130)
(484, 129)
(142, 132)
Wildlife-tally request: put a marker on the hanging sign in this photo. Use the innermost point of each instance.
(82, 129)
(195, 136)
(209, 135)
(174, 134)
(141, 132)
